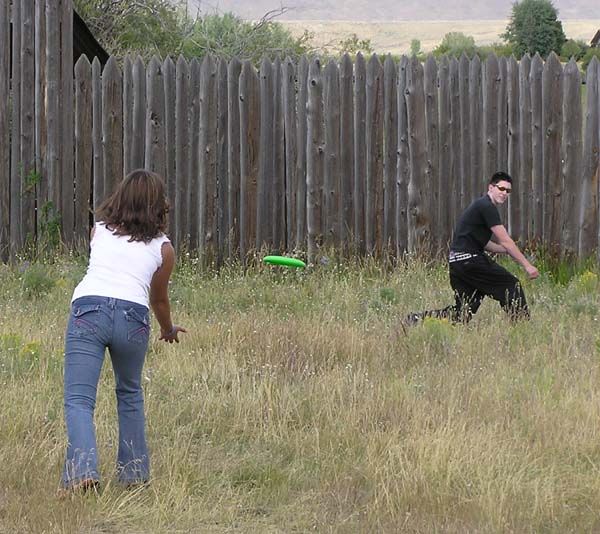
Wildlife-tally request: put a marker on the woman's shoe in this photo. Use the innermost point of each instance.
(87, 485)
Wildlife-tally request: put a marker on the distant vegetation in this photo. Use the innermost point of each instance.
(165, 28)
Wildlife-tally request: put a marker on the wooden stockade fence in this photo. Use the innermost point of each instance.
(361, 155)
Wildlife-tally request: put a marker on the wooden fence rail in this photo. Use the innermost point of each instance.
(362, 154)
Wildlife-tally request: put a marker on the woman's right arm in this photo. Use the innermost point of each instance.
(159, 295)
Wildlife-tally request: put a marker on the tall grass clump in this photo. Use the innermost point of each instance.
(297, 403)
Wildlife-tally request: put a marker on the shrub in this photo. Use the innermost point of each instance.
(455, 44)
(591, 53)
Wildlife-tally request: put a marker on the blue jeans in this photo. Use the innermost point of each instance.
(96, 323)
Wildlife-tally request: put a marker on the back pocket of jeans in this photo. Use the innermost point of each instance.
(138, 326)
(85, 319)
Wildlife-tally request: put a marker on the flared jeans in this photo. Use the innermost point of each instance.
(95, 324)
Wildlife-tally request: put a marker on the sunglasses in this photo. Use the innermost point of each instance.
(506, 190)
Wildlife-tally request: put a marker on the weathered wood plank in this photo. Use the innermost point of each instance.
(491, 82)
(475, 124)
(314, 160)
(390, 144)
(138, 136)
(66, 118)
(40, 111)
(456, 180)
(403, 168)
(588, 207)
(127, 114)
(112, 125)
(347, 149)
(83, 148)
(332, 177)
(374, 155)
(571, 157)
(301, 144)
(289, 117)
(445, 206)
(264, 216)
(182, 153)
(514, 137)
(16, 236)
(189, 220)
(278, 194)
(27, 157)
(222, 149)
(419, 220)
(207, 193)
(170, 82)
(98, 151)
(5, 114)
(360, 156)
(502, 114)
(374, 138)
(249, 99)
(233, 165)
(552, 127)
(432, 144)
(525, 183)
(154, 153)
(537, 147)
(466, 192)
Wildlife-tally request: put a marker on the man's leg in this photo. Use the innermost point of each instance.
(467, 299)
(507, 290)
(493, 280)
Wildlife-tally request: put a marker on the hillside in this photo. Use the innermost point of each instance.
(388, 10)
(395, 37)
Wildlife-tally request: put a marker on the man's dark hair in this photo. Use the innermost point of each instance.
(499, 177)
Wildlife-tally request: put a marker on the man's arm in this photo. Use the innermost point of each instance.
(506, 242)
(494, 247)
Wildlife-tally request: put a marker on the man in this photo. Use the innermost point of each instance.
(473, 274)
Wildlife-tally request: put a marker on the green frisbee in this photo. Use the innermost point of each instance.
(284, 261)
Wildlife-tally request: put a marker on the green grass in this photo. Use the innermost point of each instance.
(296, 404)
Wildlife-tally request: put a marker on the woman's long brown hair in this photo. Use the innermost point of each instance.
(138, 207)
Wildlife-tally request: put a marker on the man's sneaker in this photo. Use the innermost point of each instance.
(413, 319)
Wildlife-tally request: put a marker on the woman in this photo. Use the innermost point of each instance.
(131, 261)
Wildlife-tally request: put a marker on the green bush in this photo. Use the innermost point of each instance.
(36, 281)
(500, 49)
(455, 44)
(573, 49)
(591, 53)
(229, 36)
(353, 45)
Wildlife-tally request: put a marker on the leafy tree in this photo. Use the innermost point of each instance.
(129, 26)
(455, 44)
(353, 44)
(534, 27)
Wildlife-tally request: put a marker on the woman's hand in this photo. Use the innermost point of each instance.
(171, 336)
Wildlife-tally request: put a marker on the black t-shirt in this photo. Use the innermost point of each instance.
(473, 230)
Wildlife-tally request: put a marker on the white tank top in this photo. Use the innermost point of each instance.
(120, 268)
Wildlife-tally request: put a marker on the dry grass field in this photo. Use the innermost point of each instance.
(296, 404)
(395, 37)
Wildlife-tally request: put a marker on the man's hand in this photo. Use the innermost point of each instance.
(532, 272)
